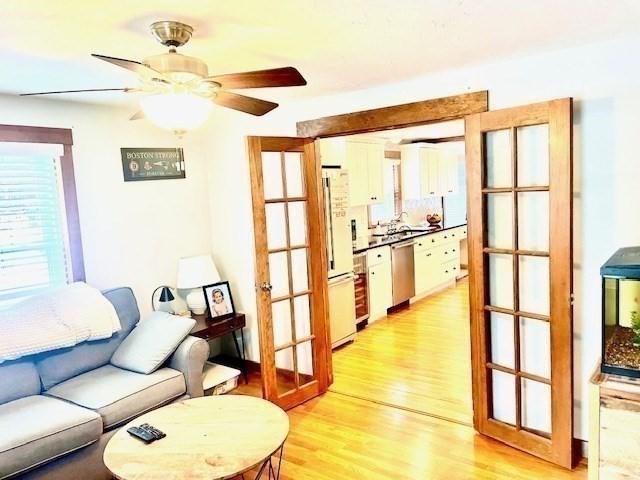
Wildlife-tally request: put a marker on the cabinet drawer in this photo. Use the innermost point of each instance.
(422, 243)
(433, 239)
(450, 235)
(378, 255)
(450, 251)
(450, 269)
(454, 235)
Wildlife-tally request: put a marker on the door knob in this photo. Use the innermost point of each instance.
(266, 287)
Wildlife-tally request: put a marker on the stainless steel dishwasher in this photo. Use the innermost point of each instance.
(403, 272)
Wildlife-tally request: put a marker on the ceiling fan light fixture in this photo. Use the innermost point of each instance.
(177, 112)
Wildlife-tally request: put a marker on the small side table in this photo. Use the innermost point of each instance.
(213, 328)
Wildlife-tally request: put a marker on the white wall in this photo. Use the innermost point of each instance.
(133, 233)
(601, 78)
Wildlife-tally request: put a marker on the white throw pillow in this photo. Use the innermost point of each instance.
(151, 342)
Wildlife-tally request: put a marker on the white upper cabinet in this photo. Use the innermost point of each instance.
(333, 152)
(365, 163)
(449, 169)
(375, 169)
(428, 171)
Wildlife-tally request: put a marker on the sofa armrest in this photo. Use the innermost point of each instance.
(189, 358)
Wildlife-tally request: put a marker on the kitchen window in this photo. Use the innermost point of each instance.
(39, 236)
(392, 205)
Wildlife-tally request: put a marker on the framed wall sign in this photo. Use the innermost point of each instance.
(152, 163)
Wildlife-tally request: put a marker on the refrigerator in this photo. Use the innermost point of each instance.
(342, 307)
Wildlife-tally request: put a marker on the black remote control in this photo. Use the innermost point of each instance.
(154, 431)
(146, 433)
(142, 434)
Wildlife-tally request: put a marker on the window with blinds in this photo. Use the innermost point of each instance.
(33, 243)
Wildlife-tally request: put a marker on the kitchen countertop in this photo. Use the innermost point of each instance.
(366, 243)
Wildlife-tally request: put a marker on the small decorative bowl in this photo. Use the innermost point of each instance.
(433, 219)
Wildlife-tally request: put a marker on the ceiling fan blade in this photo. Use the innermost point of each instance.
(139, 115)
(251, 105)
(81, 91)
(276, 77)
(137, 67)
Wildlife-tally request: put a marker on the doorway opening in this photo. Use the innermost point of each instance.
(406, 249)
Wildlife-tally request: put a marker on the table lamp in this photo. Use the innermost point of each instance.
(193, 274)
(164, 300)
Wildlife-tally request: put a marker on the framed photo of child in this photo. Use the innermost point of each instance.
(219, 300)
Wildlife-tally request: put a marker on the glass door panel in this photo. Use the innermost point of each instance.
(504, 399)
(533, 221)
(500, 220)
(293, 172)
(498, 157)
(299, 273)
(305, 362)
(502, 344)
(535, 347)
(282, 331)
(536, 407)
(279, 274)
(276, 226)
(302, 316)
(534, 284)
(500, 280)
(272, 173)
(285, 371)
(533, 155)
(297, 224)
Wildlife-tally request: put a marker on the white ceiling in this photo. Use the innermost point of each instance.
(338, 45)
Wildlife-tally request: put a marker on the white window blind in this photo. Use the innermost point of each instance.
(33, 244)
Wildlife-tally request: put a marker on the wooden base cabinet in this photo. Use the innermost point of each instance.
(614, 433)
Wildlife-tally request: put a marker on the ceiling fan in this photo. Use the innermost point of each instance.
(177, 91)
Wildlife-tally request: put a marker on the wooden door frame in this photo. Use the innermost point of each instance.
(387, 118)
(396, 116)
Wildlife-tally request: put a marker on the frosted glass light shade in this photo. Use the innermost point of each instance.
(178, 112)
(194, 272)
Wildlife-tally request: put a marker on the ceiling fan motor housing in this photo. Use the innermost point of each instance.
(170, 33)
(181, 68)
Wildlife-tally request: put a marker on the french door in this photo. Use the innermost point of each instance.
(291, 269)
(519, 229)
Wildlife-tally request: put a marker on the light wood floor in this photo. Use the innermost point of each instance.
(418, 358)
(340, 437)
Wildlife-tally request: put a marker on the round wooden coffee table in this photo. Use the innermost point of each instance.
(212, 438)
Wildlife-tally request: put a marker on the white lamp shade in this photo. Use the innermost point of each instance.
(194, 272)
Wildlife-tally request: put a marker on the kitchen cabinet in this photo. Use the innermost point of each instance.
(428, 171)
(365, 163)
(426, 268)
(448, 172)
(333, 152)
(437, 259)
(380, 282)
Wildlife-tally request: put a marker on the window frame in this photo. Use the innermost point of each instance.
(64, 137)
